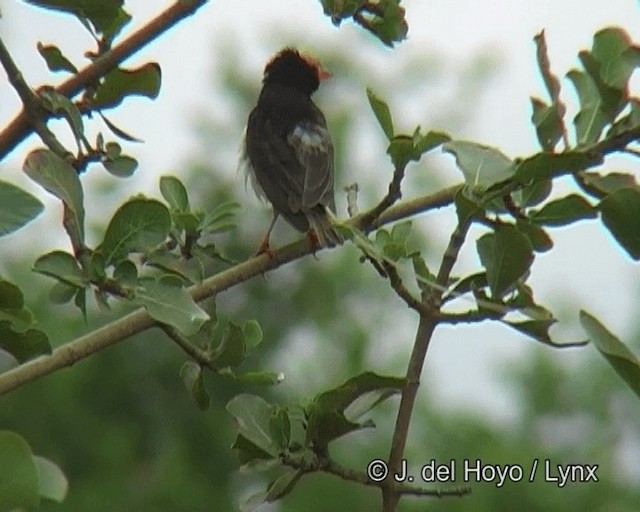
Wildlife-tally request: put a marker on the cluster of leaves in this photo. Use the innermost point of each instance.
(26, 478)
(383, 18)
(292, 441)
(511, 197)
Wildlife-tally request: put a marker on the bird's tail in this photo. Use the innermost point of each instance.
(324, 230)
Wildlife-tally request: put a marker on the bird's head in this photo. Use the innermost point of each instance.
(288, 67)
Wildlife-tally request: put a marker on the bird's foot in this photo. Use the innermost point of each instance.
(265, 248)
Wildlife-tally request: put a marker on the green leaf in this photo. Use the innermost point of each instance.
(600, 186)
(385, 19)
(191, 374)
(61, 293)
(539, 331)
(614, 50)
(341, 9)
(326, 412)
(544, 166)
(56, 103)
(403, 149)
(280, 427)
(506, 254)
(540, 240)
(18, 473)
(252, 335)
(54, 58)
(107, 18)
(137, 226)
(120, 83)
(57, 177)
(548, 122)
(61, 266)
(590, 120)
(121, 167)
(17, 208)
(174, 193)
(118, 132)
(382, 113)
(252, 415)
(482, 166)
(168, 302)
(621, 215)
(52, 482)
(126, 273)
(230, 353)
(624, 362)
(566, 210)
(23, 346)
(221, 218)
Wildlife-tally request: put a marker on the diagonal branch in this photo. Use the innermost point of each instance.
(139, 321)
(20, 127)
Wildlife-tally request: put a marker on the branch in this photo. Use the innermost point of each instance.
(139, 321)
(431, 300)
(195, 353)
(393, 194)
(327, 465)
(19, 128)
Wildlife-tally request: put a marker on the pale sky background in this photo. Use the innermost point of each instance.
(605, 283)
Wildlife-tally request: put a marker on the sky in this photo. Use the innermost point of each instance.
(502, 29)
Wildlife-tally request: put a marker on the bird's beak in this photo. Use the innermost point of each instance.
(323, 74)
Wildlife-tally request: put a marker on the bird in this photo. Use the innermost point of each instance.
(287, 152)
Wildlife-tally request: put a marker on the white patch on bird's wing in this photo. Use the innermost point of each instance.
(312, 137)
(246, 169)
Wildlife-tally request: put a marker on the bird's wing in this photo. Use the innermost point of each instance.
(313, 148)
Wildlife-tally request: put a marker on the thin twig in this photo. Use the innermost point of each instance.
(198, 355)
(398, 286)
(328, 465)
(19, 128)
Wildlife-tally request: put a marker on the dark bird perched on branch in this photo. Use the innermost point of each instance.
(287, 150)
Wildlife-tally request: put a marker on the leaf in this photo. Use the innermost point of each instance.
(191, 374)
(403, 149)
(548, 122)
(539, 330)
(52, 483)
(326, 417)
(482, 166)
(540, 240)
(62, 266)
(341, 9)
(280, 427)
(252, 415)
(386, 20)
(23, 346)
(61, 293)
(230, 353)
(613, 49)
(544, 166)
(58, 104)
(221, 218)
(57, 177)
(19, 474)
(122, 166)
(17, 208)
(590, 120)
(382, 113)
(174, 193)
(252, 335)
(506, 254)
(107, 18)
(621, 215)
(600, 186)
(168, 302)
(118, 132)
(566, 210)
(137, 226)
(54, 58)
(624, 362)
(120, 83)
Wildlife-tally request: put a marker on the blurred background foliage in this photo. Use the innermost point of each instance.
(126, 433)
